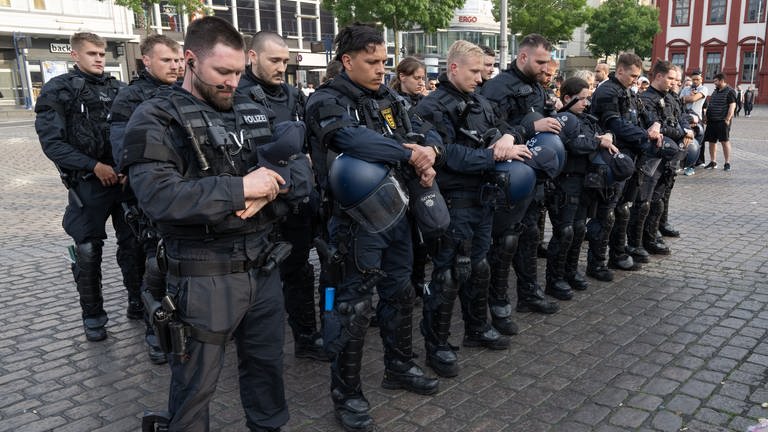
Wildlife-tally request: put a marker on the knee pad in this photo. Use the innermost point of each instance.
(566, 234)
(610, 219)
(579, 228)
(403, 298)
(622, 211)
(643, 207)
(481, 269)
(446, 288)
(89, 252)
(509, 242)
(347, 321)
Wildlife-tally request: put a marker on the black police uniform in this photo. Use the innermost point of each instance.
(664, 108)
(567, 208)
(420, 248)
(460, 264)
(616, 108)
(128, 99)
(346, 118)
(520, 101)
(298, 228)
(72, 115)
(186, 162)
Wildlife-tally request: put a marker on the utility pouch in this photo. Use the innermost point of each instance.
(162, 258)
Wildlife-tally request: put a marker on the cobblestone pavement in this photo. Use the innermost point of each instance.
(680, 345)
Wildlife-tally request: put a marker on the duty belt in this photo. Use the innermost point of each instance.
(462, 200)
(212, 268)
(268, 260)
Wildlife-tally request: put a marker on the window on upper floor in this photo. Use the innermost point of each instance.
(717, 11)
(681, 13)
(713, 65)
(755, 8)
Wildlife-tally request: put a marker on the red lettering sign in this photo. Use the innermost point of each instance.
(467, 19)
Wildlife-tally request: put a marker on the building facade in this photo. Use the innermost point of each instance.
(34, 42)
(714, 36)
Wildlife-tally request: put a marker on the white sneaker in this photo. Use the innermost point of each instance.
(689, 171)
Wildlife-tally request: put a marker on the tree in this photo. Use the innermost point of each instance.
(553, 19)
(139, 7)
(621, 25)
(430, 15)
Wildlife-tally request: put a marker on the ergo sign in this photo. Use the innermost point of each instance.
(467, 19)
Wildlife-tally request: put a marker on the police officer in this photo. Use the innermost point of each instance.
(616, 108)
(409, 83)
(662, 106)
(72, 115)
(356, 115)
(204, 168)
(459, 265)
(263, 81)
(565, 203)
(161, 67)
(522, 102)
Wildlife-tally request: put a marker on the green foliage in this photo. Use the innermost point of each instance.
(621, 25)
(553, 19)
(397, 15)
(138, 6)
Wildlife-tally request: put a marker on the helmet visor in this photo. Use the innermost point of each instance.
(382, 208)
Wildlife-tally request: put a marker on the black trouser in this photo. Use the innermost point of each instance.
(524, 261)
(297, 273)
(369, 254)
(641, 207)
(568, 213)
(248, 306)
(86, 226)
(660, 201)
(601, 205)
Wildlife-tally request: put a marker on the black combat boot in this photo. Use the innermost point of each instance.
(407, 375)
(474, 304)
(400, 372)
(618, 257)
(87, 273)
(596, 267)
(349, 405)
(436, 324)
(131, 259)
(531, 298)
(651, 242)
(635, 228)
(557, 286)
(500, 260)
(575, 279)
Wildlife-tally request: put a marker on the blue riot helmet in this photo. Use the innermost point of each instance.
(691, 153)
(516, 179)
(616, 167)
(669, 149)
(548, 153)
(368, 192)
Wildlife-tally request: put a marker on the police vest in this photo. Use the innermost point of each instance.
(87, 115)
(382, 111)
(217, 143)
(664, 109)
(470, 116)
(523, 98)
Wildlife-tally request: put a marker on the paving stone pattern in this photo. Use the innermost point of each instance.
(680, 345)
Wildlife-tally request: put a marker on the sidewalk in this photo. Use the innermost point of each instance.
(680, 345)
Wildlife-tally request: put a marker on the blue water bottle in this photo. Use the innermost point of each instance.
(330, 294)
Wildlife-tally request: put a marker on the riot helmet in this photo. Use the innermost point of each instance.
(617, 167)
(516, 180)
(368, 192)
(548, 153)
(669, 149)
(691, 153)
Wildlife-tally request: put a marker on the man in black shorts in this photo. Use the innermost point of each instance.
(722, 105)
